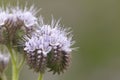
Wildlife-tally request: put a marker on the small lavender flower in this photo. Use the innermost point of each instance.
(49, 46)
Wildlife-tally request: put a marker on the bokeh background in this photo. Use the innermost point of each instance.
(96, 30)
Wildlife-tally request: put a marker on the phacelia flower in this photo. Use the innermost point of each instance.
(15, 22)
(27, 16)
(49, 46)
(19, 17)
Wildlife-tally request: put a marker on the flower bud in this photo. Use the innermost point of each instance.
(36, 61)
(58, 60)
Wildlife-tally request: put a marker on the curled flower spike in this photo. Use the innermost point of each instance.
(20, 17)
(51, 43)
(27, 16)
(37, 51)
(15, 22)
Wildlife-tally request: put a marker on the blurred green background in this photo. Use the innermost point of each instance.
(96, 30)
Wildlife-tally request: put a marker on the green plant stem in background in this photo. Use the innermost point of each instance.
(40, 77)
(15, 72)
(21, 63)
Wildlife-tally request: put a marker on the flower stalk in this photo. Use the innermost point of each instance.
(40, 77)
(15, 72)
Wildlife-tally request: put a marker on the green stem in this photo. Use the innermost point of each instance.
(21, 63)
(15, 71)
(40, 77)
(12, 55)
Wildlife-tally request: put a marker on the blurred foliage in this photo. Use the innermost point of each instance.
(96, 29)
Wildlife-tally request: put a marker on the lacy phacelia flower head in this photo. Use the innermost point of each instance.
(27, 16)
(15, 14)
(50, 47)
(15, 21)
